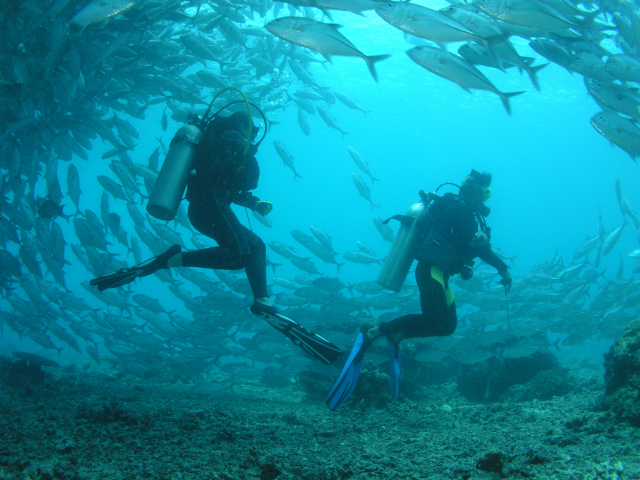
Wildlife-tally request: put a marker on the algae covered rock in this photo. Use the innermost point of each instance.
(539, 376)
(622, 375)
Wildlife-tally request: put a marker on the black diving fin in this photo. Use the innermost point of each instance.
(128, 275)
(312, 343)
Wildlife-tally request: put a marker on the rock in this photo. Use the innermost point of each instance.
(491, 380)
(492, 462)
(622, 375)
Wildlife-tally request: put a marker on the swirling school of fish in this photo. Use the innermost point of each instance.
(72, 73)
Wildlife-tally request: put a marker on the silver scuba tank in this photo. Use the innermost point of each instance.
(397, 264)
(172, 180)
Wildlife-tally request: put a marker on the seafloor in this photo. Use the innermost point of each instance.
(83, 425)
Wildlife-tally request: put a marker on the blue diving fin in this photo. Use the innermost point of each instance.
(395, 368)
(350, 373)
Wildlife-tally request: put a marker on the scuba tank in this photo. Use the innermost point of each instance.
(397, 264)
(172, 179)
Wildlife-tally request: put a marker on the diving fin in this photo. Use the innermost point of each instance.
(395, 368)
(128, 275)
(312, 343)
(350, 372)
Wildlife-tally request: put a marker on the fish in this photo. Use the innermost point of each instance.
(322, 37)
(350, 102)
(112, 187)
(620, 131)
(590, 66)
(34, 359)
(331, 122)
(283, 250)
(266, 221)
(532, 14)
(363, 189)
(553, 52)
(457, 70)
(305, 265)
(323, 237)
(612, 240)
(384, 229)
(623, 67)
(98, 10)
(358, 256)
(286, 157)
(73, 186)
(303, 122)
(361, 163)
(615, 97)
(49, 209)
(426, 23)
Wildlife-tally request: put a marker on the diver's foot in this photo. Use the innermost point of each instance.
(157, 263)
(261, 309)
(264, 301)
(366, 341)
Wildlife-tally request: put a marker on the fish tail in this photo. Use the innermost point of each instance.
(296, 175)
(371, 61)
(338, 265)
(532, 71)
(490, 43)
(505, 99)
(344, 133)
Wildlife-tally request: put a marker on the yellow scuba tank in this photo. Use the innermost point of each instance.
(172, 180)
(397, 264)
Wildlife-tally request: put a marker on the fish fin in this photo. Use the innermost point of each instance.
(532, 71)
(505, 99)
(371, 61)
(328, 58)
(490, 43)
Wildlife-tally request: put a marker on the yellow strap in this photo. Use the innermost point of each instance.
(438, 276)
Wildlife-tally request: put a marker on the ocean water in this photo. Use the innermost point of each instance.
(553, 174)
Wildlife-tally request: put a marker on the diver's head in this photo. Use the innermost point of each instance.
(475, 189)
(239, 122)
(237, 133)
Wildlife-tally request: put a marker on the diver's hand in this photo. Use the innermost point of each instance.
(507, 280)
(264, 208)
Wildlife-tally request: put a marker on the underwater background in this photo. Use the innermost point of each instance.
(553, 177)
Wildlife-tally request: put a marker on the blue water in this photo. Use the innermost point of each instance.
(553, 173)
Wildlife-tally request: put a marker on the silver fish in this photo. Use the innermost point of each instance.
(321, 37)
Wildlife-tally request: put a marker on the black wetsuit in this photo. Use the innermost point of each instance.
(225, 176)
(450, 216)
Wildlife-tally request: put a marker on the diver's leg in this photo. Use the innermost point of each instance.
(256, 267)
(219, 223)
(437, 319)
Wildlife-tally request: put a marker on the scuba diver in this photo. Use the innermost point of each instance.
(449, 232)
(215, 159)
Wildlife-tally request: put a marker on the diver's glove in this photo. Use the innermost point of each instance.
(479, 240)
(507, 280)
(263, 208)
